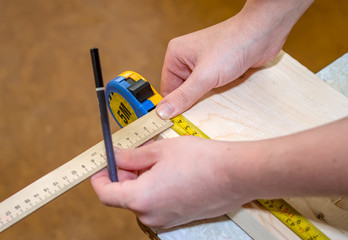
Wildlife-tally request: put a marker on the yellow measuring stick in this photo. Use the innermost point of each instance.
(301, 226)
(184, 127)
(135, 132)
(130, 93)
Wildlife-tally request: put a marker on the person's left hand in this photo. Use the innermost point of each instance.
(180, 180)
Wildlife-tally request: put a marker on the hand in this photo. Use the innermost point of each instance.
(171, 182)
(198, 62)
(175, 181)
(181, 180)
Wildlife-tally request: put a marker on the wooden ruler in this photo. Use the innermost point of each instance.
(60, 180)
(91, 161)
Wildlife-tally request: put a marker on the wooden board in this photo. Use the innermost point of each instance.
(281, 98)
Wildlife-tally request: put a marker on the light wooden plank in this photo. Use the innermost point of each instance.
(279, 99)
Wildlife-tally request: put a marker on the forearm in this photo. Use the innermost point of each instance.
(309, 163)
(282, 13)
(198, 62)
(267, 24)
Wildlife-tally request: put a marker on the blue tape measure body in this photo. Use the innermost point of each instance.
(129, 97)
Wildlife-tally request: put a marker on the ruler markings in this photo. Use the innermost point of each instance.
(63, 178)
(93, 160)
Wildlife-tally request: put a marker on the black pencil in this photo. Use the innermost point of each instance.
(104, 115)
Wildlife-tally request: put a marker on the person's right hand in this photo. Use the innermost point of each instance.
(198, 62)
(166, 186)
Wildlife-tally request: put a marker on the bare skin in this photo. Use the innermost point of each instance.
(197, 62)
(168, 186)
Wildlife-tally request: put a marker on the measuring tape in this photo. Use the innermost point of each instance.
(293, 219)
(131, 96)
(131, 100)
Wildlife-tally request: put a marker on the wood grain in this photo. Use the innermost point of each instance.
(281, 98)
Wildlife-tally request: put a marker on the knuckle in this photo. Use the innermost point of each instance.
(183, 99)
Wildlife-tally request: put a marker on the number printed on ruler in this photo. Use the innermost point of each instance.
(50, 186)
(60, 180)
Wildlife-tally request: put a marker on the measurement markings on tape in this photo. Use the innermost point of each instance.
(126, 104)
(301, 226)
(60, 180)
(130, 93)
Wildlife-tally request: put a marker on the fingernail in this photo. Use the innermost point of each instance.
(164, 110)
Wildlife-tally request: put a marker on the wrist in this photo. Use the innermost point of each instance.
(266, 26)
(244, 167)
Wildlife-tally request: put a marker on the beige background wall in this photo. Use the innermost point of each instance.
(48, 106)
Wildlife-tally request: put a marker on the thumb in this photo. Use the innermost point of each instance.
(184, 96)
(136, 159)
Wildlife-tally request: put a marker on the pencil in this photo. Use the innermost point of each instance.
(110, 156)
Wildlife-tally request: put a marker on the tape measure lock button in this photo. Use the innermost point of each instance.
(141, 90)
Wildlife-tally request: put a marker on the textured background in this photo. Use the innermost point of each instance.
(48, 106)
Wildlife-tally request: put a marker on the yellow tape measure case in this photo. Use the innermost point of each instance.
(129, 97)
